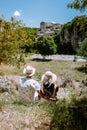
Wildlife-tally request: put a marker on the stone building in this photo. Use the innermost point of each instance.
(48, 28)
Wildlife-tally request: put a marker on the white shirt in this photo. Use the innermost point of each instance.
(25, 82)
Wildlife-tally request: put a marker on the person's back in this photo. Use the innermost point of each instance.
(49, 84)
(28, 87)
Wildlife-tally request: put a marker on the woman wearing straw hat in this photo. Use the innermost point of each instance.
(49, 84)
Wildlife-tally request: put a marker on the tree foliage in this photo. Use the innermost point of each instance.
(30, 38)
(45, 45)
(83, 49)
(14, 39)
(78, 4)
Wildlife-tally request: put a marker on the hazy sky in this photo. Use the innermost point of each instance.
(32, 12)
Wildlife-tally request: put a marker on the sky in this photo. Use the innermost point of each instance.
(32, 12)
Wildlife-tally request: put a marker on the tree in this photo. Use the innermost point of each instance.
(45, 45)
(30, 38)
(78, 4)
(82, 51)
(5, 44)
(15, 39)
(12, 39)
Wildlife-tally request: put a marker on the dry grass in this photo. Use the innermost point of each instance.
(8, 69)
(61, 68)
(58, 67)
(29, 118)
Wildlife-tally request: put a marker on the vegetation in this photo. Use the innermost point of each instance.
(15, 39)
(71, 35)
(45, 46)
(67, 116)
(83, 49)
(43, 115)
(78, 4)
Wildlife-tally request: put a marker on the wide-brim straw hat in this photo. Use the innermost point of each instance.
(49, 76)
(29, 70)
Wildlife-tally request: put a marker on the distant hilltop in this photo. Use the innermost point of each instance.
(48, 28)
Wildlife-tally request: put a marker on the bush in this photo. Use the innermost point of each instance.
(45, 45)
(82, 51)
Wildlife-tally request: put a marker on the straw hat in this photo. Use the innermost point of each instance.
(29, 70)
(49, 76)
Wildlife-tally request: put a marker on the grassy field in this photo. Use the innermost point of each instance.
(43, 115)
(60, 68)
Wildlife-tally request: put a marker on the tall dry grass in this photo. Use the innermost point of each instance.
(61, 68)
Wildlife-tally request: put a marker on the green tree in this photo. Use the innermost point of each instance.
(82, 51)
(45, 46)
(5, 44)
(78, 4)
(30, 38)
(11, 40)
(15, 39)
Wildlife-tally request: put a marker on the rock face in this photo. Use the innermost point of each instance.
(74, 32)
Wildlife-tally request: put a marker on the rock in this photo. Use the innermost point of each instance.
(7, 84)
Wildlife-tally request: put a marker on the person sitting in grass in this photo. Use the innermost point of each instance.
(49, 84)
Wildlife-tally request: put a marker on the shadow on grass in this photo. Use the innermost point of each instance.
(70, 117)
(41, 60)
(83, 68)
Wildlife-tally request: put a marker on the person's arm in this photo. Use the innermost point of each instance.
(45, 97)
